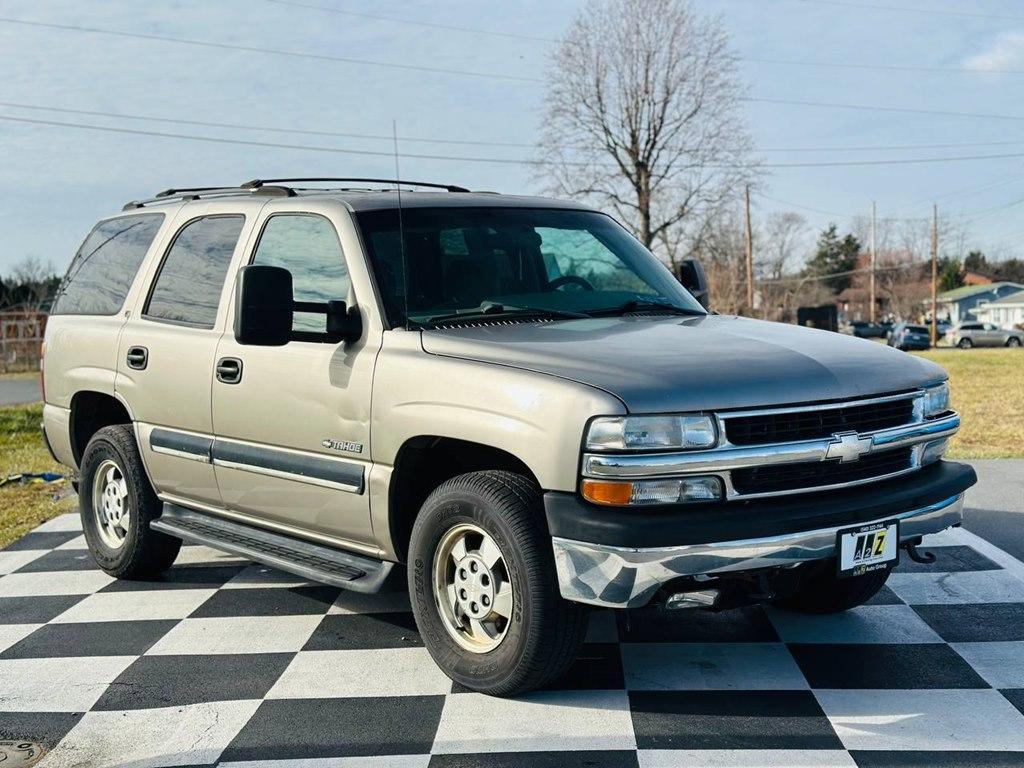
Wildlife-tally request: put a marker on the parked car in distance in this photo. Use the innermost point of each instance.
(907, 336)
(862, 329)
(506, 402)
(967, 335)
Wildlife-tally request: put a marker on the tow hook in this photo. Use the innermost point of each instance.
(698, 599)
(917, 556)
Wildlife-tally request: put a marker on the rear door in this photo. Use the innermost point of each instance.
(168, 346)
(293, 428)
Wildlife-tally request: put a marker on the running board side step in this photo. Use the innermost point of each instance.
(315, 562)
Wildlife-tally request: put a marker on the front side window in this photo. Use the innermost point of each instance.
(308, 247)
(470, 261)
(102, 271)
(188, 287)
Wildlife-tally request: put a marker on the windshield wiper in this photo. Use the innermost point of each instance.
(641, 303)
(498, 311)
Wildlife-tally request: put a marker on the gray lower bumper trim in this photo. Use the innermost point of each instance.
(620, 577)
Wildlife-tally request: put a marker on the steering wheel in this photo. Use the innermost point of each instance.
(558, 282)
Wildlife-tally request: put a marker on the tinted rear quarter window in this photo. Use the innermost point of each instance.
(102, 271)
(187, 289)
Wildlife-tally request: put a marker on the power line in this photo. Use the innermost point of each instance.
(904, 9)
(873, 108)
(250, 126)
(883, 67)
(494, 160)
(253, 127)
(411, 22)
(548, 40)
(271, 51)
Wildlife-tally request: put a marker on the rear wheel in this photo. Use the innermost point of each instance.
(117, 504)
(965, 344)
(819, 590)
(484, 589)
(1013, 341)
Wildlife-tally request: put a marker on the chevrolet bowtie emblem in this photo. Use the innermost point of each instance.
(847, 446)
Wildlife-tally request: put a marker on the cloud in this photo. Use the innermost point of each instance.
(1006, 51)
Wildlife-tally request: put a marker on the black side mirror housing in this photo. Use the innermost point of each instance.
(343, 322)
(263, 306)
(690, 273)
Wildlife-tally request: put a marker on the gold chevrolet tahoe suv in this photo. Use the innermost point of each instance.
(508, 396)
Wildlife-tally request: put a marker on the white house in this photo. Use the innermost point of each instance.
(1006, 312)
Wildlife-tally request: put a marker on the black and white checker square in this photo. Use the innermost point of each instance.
(225, 662)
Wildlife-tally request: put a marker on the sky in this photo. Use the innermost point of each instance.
(919, 56)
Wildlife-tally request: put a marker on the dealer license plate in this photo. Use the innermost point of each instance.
(868, 548)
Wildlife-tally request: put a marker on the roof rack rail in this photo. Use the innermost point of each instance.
(257, 183)
(195, 193)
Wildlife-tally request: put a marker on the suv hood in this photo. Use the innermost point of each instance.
(664, 364)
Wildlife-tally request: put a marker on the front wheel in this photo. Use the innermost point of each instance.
(819, 590)
(965, 344)
(484, 589)
(1013, 341)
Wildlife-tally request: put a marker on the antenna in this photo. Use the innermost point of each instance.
(401, 228)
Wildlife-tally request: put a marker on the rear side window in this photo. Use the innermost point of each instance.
(102, 271)
(308, 247)
(187, 289)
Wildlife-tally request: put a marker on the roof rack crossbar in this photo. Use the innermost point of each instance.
(257, 183)
(195, 193)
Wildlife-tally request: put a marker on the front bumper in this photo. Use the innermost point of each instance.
(610, 570)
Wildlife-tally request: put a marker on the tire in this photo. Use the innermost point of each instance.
(1013, 341)
(539, 639)
(114, 486)
(820, 591)
(965, 344)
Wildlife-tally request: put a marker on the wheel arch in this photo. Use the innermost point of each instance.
(424, 462)
(90, 412)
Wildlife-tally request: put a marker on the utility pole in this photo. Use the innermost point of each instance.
(750, 257)
(935, 273)
(871, 311)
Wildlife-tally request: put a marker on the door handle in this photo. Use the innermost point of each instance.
(137, 358)
(229, 370)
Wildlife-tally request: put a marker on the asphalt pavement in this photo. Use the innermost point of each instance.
(995, 506)
(19, 391)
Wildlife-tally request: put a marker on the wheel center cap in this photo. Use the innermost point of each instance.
(474, 586)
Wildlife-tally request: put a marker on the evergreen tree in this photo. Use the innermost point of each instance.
(951, 274)
(834, 255)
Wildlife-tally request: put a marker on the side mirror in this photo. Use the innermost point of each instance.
(263, 306)
(691, 274)
(343, 322)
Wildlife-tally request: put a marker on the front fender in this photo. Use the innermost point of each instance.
(538, 418)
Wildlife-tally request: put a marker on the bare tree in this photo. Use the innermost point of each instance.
(643, 116)
(31, 284)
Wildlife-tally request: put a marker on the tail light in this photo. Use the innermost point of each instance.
(42, 366)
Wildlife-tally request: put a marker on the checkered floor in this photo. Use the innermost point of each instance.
(226, 662)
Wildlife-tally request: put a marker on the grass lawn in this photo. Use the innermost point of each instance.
(987, 388)
(23, 507)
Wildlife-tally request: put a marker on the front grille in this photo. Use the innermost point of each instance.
(767, 428)
(777, 478)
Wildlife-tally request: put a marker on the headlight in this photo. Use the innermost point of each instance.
(642, 492)
(651, 433)
(936, 400)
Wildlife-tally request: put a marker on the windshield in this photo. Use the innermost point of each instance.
(473, 261)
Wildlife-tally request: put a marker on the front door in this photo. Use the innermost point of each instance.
(167, 348)
(292, 425)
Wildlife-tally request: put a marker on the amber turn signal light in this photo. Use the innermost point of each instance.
(605, 492)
